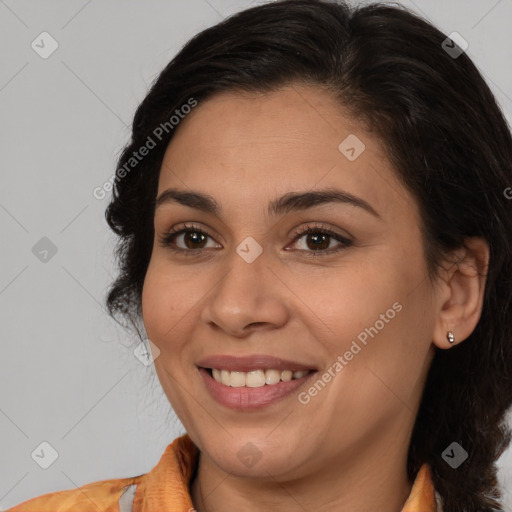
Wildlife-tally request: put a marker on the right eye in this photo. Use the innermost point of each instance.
(190, 234)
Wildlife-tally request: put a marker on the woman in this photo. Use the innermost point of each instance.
(315, 236)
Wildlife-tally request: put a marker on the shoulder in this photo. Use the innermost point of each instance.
(103, 495)
(166, 483)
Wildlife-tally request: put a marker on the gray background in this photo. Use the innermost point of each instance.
(68, 373)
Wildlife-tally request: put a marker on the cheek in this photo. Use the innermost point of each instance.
(350, 300)
(172, 301)
(376, 315)
(153, 305)
(165, 300)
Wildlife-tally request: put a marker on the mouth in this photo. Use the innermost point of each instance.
(252, 382)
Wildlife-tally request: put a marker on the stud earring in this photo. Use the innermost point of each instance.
(450, 336)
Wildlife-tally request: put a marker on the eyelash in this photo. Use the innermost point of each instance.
(168, 237)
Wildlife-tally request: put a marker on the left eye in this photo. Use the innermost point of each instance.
(317, 239)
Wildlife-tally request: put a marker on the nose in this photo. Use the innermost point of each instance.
(248, 297)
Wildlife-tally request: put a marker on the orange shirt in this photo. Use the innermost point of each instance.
(166, 489)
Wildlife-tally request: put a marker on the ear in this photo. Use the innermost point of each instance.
(461, 292)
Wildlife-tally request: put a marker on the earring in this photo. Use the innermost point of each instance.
(450, 336)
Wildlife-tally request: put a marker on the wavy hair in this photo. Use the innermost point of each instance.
(450, 146)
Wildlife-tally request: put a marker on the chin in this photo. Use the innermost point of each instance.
(252, 453)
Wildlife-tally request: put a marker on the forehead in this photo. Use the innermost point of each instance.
(261, 145)
(294, 113)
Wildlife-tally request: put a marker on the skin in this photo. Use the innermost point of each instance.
(347, 448)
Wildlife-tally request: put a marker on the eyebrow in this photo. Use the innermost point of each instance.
(292, 201)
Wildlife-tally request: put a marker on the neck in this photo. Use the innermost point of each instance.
(371, 480)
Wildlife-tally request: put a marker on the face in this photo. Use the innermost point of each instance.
(246, 296)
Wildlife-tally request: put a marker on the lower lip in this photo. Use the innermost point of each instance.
(245, 398)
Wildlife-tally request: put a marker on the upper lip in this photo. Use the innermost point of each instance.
(251, 363)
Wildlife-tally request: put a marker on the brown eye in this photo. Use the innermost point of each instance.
(188, 240)
(318, 240)
(192, 238)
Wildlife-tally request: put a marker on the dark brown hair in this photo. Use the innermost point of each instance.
(450, 145)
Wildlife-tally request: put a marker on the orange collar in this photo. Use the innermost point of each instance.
(166, 486)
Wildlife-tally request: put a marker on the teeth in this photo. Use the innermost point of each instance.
(255, 378)
(272, 376)
(286, 375)
(237, 379)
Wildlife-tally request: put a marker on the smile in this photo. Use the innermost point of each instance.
(253, 382)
